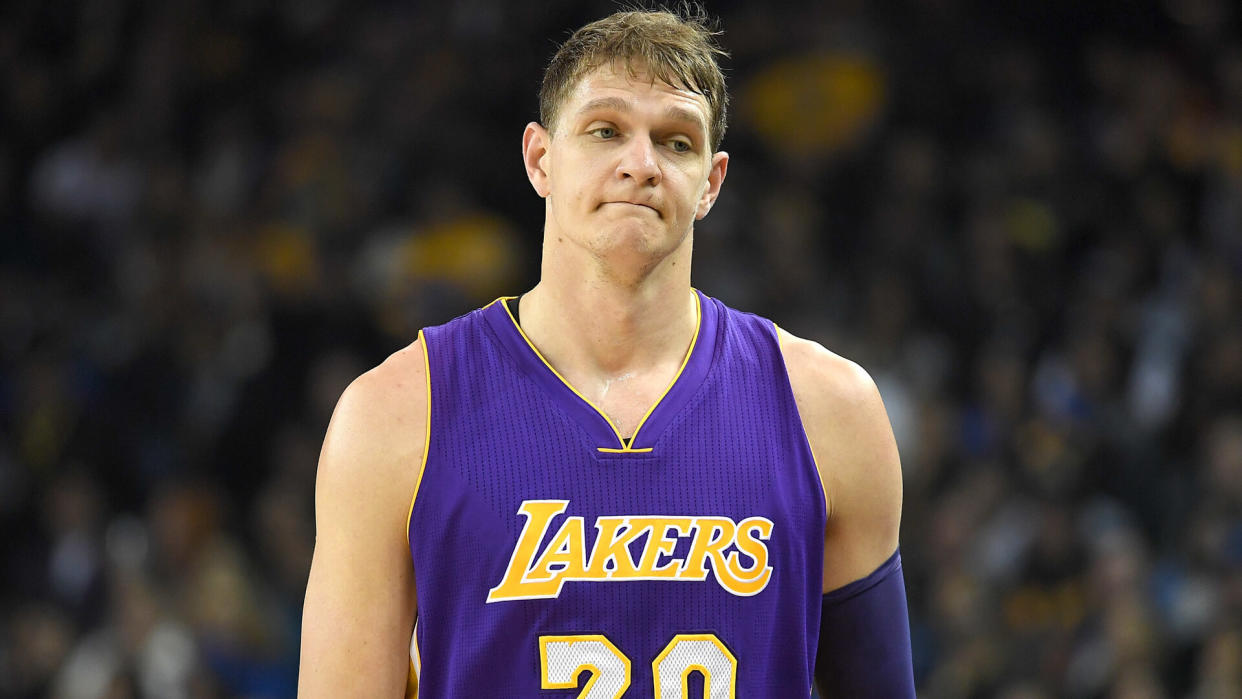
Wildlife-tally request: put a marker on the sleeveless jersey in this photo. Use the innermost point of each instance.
(552, 559)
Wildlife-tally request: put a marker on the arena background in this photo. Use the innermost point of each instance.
(1024, 218)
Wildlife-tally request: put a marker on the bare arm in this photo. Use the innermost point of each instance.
(853, 444)
(864, 642)
(360, 602)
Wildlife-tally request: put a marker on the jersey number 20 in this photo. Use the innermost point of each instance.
(563, 658)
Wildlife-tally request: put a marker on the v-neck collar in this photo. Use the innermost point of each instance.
(601, 430)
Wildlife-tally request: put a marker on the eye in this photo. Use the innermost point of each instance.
(604, 132)
(680, 146)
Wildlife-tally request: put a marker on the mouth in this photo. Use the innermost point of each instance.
(637, 204)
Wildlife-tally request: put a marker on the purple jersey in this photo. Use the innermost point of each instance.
(552, 559)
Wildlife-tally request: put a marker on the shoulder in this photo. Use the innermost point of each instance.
(387, 403)
(378, 429)
(838, 400)
(855, 452)
(842, 413)
(360, 594)
(824, 380)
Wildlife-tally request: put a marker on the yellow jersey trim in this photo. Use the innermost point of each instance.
(531, 345)
(416, 665)
(814, 461)
(411, 683)
(694, 341)
(422, 466)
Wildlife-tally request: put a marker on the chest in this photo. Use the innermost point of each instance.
(628, 398)
(711, 507)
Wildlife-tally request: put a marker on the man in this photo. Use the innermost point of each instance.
(612, 485)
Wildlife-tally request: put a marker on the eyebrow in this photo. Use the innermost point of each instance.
(617, 104)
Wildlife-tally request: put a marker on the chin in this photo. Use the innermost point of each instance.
(640, 243)
(630, 235)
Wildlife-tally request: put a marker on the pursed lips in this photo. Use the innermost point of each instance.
(635, 203)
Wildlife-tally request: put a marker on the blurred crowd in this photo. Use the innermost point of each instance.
(1025, 219)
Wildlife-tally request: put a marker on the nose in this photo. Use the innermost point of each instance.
(638, 161)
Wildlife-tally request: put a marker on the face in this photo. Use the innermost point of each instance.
(628, 168)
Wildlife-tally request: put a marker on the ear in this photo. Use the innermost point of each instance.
(715, 178)
(535, 141)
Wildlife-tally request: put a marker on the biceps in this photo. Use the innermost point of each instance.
(356, 625)
(864, 527)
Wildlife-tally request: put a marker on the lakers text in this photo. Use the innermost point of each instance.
(538, 574)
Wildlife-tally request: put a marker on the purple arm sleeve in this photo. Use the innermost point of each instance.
(864, 638)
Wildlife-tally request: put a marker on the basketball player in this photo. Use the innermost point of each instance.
(612, 485)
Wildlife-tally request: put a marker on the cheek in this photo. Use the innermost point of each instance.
(569, 198)
(693, 191)
(573, 186)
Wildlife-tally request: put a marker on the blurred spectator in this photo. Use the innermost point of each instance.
(1024, 218)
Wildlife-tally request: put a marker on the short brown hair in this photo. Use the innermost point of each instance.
(679, 49)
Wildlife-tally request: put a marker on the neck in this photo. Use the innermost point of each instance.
(598, 318)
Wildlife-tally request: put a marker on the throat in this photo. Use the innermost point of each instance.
(626, 395)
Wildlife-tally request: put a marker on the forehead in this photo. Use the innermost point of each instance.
(613, 85)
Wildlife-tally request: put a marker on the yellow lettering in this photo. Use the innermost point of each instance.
(567, 552)
(713, 536)
(535, 574)
(658, 542)
(539, 514)
(613, 542)
(748, 581)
